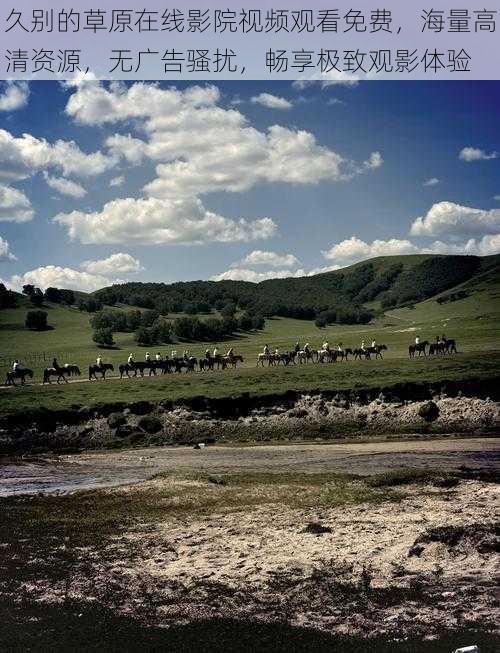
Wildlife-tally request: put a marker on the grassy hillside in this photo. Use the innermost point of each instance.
(393, 280)
(472, 320)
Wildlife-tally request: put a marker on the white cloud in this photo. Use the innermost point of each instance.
(353, 249)
(59, 277)
(245, 274)
(21, 157)
(481, 247)
(475, 154)
(116, 263)
(14, 96)
(14, 205)
(5, 253)
(332, 78)
(433, 181)
(65, 186)
(268, 259)
(456, 220)
(117, 181)
(272, 101)
(154, 221)
(227, 154)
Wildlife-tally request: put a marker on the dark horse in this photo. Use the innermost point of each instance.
(420, 348)
(443, 347)
(22, 373)
(342, 354)
(102, 369)
(60, 372)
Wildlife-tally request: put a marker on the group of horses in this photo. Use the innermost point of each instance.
(302, 356)
(439, 348)
(219, 362)
(167, 366)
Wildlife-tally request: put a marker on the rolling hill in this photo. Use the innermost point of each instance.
(388, 281)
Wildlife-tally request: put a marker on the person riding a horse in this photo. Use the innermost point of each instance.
(307, 347)
(339, 347)
(297, 347)
(363, 345)
(16, 365)
(417, 340)
(216, 352)
(158, 357)
(130, 360)
(230, 353)
(326, 346)
(55, 364)
(99, 361)
(207, 354)
(374, 344)
(147, 357)
(265, 351)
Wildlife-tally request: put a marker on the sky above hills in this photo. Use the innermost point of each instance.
(103, 182)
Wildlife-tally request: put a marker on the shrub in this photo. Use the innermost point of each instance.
(150, 424)
(103, 337)
(36, 320)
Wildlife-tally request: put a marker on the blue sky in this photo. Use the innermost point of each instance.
(241, 180)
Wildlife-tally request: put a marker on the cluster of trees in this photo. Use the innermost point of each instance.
(7, 297)
(54, 295)
(89, 305)
(214, 329)
(151, 328)
(343, 315)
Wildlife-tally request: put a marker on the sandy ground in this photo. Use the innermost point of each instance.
(261, 564)
(108, 468)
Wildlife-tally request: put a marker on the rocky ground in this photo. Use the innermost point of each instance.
(308, 417)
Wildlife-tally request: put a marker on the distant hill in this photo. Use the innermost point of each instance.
(388, 281)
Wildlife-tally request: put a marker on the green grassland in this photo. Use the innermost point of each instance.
(473, 321)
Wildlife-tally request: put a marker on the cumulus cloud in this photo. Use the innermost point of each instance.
(116, 263)
(14, 96)
(245, 274)
(117, 181)
(455, 220)
(21, 157)
(354, 249)
(60, 277)
(14, 205)
(475, 154)
(5, 253)
(433, 181)
(479, 247)
(268, 259)
(272, 101)
(153, 221)
(65, 186)
(237, 273)
(227, 154)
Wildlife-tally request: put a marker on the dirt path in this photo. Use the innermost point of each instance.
(111, 468)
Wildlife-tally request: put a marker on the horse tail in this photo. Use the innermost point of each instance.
(90, 372)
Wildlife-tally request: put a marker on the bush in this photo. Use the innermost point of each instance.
(36, 320)
(150, 424)
(103, 337)
(89, 305)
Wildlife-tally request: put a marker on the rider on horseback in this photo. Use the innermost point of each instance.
(55, 364)
(15, 365)
(417, 340)
(216, 352)
(158, 357)
(99, 361)
(326, 346)
(373, 343)
(230, 353)
(297, 347)
(339, 347)
(130, 360)
(147, 357)
(363, 345)
(265, 351)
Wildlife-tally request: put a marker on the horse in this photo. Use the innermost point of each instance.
(377, 350)
(304, 356)
(421, 347)
(72, 370)
(20, 373)
(450, 346)
(102, 369)
(261, 358)
(125, 368)
(206, 363)
(360, 353)
(59, 372)
(233, 360)
(343, 354)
